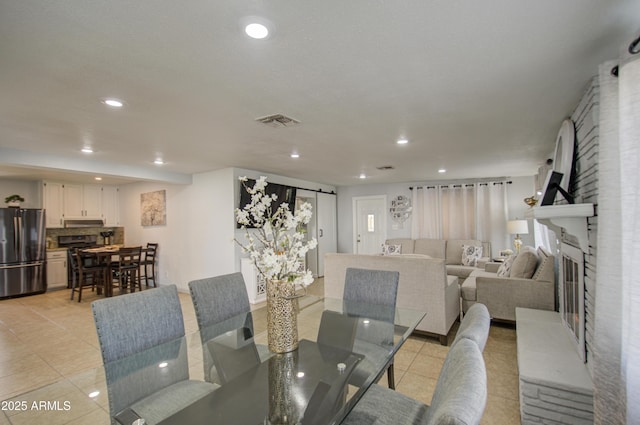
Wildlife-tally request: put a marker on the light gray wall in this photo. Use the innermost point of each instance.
(520, 188)
(198, 239)
(30, 190)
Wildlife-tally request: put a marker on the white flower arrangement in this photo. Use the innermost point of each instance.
(278, 244)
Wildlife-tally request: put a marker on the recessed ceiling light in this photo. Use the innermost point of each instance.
(442, 170)
(115, 103)
(363, 176)
(87, 149)
(256, 30)
(158, 161)
(295, 155)
(402, 141)
(98, 178)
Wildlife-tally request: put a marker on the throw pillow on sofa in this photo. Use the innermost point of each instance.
(391, 249)
(471, 254)
(505, 268)
(525, 263)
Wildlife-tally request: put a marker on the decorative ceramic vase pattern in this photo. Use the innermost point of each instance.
(282, 316)
(283, 408)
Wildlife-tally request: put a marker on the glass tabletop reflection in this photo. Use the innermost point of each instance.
(232, 378)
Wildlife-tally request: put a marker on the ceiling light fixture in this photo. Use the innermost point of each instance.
(257, 31)
(87, 149)
(114, 103)
(98, 178)
(442, 170)
(363, 176)
(158, 161)
(402, 141)
(295, 155)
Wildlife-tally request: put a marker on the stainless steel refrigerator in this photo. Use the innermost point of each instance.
(22, 252)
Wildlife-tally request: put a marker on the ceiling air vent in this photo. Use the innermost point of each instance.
(386, 167)
(278, 120)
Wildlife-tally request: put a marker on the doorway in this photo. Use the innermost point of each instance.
(369, 223)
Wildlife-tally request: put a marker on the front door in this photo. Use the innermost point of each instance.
(369, 224)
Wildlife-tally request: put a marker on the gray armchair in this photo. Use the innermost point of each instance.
(138, 332)
(459, 398)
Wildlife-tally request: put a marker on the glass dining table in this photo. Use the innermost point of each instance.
(343, 349)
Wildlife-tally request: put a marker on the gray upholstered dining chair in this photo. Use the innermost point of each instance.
(372, 293)
(475, 326)
(138, 333)
(460, 395)
(222, 304)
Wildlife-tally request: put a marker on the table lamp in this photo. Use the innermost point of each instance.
(517, 227)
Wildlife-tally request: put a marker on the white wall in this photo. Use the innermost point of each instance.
(520, 188)
(30, 190)
(197, 241)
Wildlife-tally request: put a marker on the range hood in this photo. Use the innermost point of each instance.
(83, 223)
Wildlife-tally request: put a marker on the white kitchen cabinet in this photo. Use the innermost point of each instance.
(57, 269)
(110, 206)
(82, 201)
(53, 204)
(72, 201)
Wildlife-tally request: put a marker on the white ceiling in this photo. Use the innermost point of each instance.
(478, 87)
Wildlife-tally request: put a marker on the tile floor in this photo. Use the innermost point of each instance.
(49, 348)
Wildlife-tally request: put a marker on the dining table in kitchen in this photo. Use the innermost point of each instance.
(108, 256)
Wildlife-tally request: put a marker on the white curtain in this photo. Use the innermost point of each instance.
(616, 356)
(426, 218)
(466, 211)
(491, 214)
(458, 211)
(629, 118)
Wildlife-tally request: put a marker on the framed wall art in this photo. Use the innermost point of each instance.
(153, 208)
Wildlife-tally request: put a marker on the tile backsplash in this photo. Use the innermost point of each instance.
(53, 233)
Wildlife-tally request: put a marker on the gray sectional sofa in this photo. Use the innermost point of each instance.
(530, 285)
(448, 250)
(424, 285)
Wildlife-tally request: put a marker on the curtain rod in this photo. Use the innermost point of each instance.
(463, 184)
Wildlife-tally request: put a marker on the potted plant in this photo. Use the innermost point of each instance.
(13, 200)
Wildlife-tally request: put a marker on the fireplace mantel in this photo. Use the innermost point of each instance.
(568, 221)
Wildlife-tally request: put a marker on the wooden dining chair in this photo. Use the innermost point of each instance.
(154, 334)
(86, 271)
(128, 268)
(149, 262)
(460, 395)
